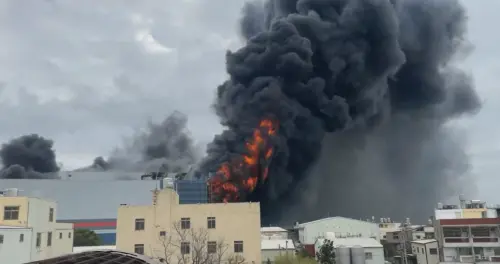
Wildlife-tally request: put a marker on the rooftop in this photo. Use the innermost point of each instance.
(104, 256)
(355, 241)
(424, 241)
(332, 218)
(276, 244)
(13, 227)
(272, 229)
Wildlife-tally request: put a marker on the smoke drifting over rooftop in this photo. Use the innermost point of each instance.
(363, 91)
(165, 146)
(28, 157)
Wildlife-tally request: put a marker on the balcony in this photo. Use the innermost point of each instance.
(474, 259)
(467, 241)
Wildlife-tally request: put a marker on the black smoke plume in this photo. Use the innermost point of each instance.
(166, 146)
(29, 157)
(364, 92)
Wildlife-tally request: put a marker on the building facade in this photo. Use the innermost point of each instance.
(29, 224)
(425, 251)
(468, 232)
(178, 232)
(342, 227)
(97, 211)
(354, 250)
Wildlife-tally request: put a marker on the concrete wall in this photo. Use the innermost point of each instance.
(12, 250)
(309, 232)
(423, 253)
(377, 256)
(34, 214)
(22, 202)
(234, 222)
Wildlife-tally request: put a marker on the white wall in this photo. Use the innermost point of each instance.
(13, 251)
(377, 256)
(423, 254)
(38, 220)
(448, 214)
(338, 225)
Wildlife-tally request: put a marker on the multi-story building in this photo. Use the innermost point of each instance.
(29, 231)
(468, 232)
(85, 200)
(177, 232)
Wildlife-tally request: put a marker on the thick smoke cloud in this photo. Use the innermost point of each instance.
(165, 146)
(364, 92)
(29, 157)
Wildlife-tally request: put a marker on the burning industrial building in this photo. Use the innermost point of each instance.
(343, 107)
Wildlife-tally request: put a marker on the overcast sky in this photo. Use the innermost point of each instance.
(86, 74)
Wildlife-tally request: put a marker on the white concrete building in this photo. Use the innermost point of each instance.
(273, 248)
(30, 224)
(15, 244)
(373, 250)
(425, 251)
(342, 228)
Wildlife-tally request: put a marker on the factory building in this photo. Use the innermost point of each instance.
(342, 227)
(468, 232)
(29, 230)
(357, 250)
(166, 229)
(88, 199)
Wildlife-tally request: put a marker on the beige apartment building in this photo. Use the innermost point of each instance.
(29, 231)
(186, 233)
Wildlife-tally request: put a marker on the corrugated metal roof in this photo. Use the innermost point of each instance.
(272, 229)
(269, 244)
(333, 218)
(352, 242)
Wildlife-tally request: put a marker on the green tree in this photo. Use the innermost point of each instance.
(85, 237)
(326, 254)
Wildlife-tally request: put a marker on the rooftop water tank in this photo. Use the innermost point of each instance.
(343, 255)
(11, 192)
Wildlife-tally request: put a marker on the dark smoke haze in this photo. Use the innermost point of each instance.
(29, 157)
(364, 92)
(165, 146)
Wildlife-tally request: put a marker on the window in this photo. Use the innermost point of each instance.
(418, 237)
(11, 213)
(368, 255)
(60, 235)
(49, 239)
(163, 233)
(238, 246)
(395, 237)
(211, 247)
(185, 223)
(185, 248)
(51, 215)
(1, 239)
(139, 224)
(139, 249)
(38, 240)
(21, 238)
(69, 235)
(433, 251)
(211, 222)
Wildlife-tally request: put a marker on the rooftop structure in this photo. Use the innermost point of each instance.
(99, 256)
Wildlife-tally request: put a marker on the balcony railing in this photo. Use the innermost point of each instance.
(469, 240)
(485, 239)
(456, 240)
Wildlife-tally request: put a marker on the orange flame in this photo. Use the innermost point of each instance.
(234, 177)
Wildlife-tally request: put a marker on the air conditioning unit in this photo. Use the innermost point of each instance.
(477, 257)
(466, 259)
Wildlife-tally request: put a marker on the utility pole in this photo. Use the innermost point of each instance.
(404, 238)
